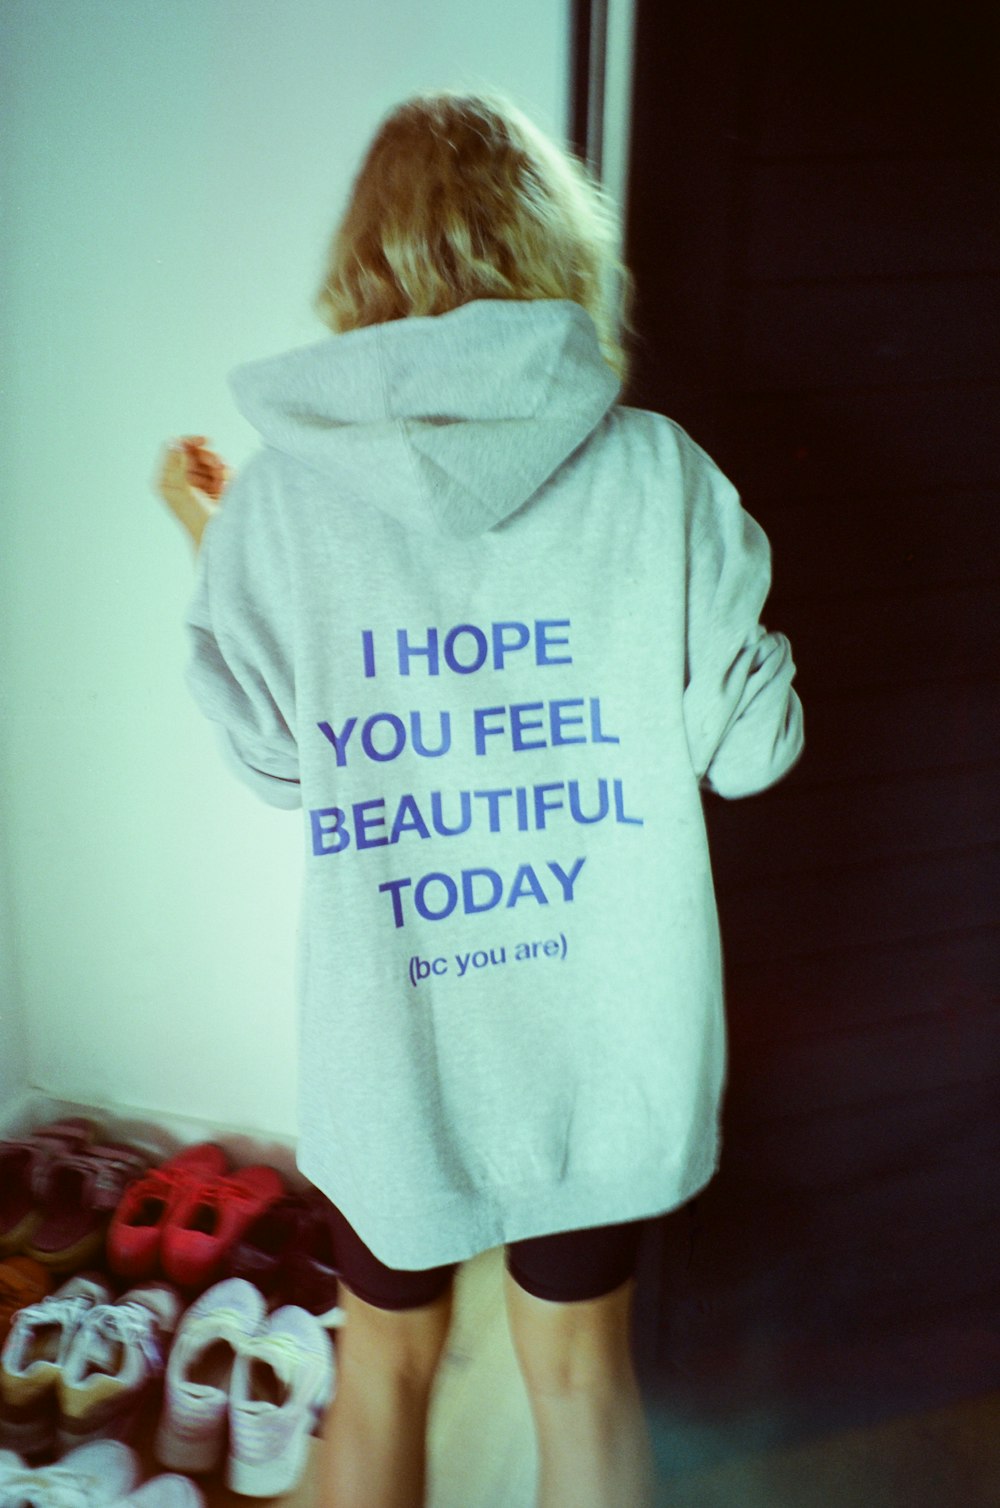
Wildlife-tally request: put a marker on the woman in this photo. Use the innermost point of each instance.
(493, 632)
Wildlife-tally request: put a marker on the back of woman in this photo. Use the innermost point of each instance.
(493, 632)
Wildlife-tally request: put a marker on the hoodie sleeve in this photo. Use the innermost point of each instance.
(240, 669)
(742, 716)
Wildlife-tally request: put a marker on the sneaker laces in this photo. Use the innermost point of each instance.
(131, 1324)
(59, 1311)
(287, 1357)
(220, 1324)
(220, 1193)
(65, 1313)
(102, 1180)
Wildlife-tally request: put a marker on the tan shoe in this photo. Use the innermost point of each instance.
(114, 1358)
(36, 1346)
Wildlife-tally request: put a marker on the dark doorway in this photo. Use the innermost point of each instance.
(812, 229)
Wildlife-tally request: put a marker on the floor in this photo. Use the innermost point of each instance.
(482, 1450)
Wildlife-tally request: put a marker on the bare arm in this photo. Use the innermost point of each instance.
(191, 481)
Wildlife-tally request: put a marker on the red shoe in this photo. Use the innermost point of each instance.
(136, 1229)
(209, 1218)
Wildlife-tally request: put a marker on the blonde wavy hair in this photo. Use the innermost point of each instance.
(462, 197)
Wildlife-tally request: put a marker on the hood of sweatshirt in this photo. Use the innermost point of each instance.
(447, 423)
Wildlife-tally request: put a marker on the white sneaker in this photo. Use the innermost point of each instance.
(95, 1475)
(192, 1430)
(32, 1358)
(282, 1381)
(116, 1354)
(15, 1479)
(165, 1492)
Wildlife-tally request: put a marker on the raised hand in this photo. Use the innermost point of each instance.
(191, 481)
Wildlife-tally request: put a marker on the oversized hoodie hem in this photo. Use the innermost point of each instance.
(459, 1227)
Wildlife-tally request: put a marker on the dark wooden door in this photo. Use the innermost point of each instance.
(813, 212)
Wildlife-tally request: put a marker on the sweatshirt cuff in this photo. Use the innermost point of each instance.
(283, 791)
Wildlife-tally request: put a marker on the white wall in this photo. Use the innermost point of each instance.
(173, 174)
(13, 1043)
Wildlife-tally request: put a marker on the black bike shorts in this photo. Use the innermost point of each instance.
(565, 1268)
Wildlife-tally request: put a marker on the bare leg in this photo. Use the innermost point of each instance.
(593, 1444)
(374, 1452)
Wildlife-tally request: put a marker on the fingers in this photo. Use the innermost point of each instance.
(205, 470)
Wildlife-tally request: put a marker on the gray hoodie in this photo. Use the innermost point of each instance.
(493, 632)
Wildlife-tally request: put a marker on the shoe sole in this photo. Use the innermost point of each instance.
(281, 1473)
(188, 1451)
(273, 1478)
(113, 1418)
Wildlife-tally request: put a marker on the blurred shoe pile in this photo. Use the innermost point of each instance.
(203, 1293)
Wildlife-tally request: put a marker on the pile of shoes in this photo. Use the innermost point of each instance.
(179, 1292)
